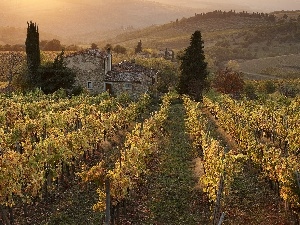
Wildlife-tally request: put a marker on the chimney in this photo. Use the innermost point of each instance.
(109, 60)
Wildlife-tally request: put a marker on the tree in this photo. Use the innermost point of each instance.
(228, 81)
(43, 44)
(268, 87)
(11, 66)
(120, 49)
(108, 46)
(193, 68)
(167, 72)
(53, 45)
(53, 76)
(233, 65)
(138, 48)
(14, 67)
(32, 48)
(250, 91)
(94, 46)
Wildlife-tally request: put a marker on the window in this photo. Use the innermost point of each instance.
(127, 86)
(89, 85)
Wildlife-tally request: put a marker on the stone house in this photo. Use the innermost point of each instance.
(167, 54)
(96, 74)
(90, 66)
(131, 78)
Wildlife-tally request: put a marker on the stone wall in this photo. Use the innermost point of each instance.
(88, 68)
(132, 89)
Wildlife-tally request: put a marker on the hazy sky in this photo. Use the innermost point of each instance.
(263, 5)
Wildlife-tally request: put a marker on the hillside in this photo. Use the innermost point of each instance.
(17, 35)
(286, 66)
(241, 35)
(88, 21)
(176, 34)
(253, 5)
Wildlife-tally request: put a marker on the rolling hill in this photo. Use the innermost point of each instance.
(87, 21)
(176, 34)
(241, 35)
(247, 38)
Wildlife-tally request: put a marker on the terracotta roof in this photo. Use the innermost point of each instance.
(129, 72)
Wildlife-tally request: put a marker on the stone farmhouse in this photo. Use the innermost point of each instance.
(96, 74)
(167, 54)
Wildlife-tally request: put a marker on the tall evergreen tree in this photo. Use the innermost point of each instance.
(193, 76)
(32, 49)
(138, 48)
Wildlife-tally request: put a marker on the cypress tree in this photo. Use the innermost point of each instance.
(138, 48)
(32, 49)
(193, 76)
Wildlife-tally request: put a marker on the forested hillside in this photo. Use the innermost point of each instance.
(241, 35)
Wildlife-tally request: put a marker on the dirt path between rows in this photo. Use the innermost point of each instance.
(174, 200)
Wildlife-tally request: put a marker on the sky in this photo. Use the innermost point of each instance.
(261, 5)
(255, 5)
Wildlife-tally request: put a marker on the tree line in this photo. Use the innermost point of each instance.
(45, 45)
(224, 14)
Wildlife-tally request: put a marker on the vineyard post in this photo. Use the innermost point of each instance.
(298, 179)
(107, 189)
(46, 169)
(107, 210)
(11, 215)
(120, 155)
(141, 128)
(218, 200)
(221, 218)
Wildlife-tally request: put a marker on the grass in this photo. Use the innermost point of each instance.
(70, 207)
(175, 199)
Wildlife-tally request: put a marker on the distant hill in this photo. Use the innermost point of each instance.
(15, 35)
(87, 21)
(176, 34)
(247, 5)
(227, 35)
